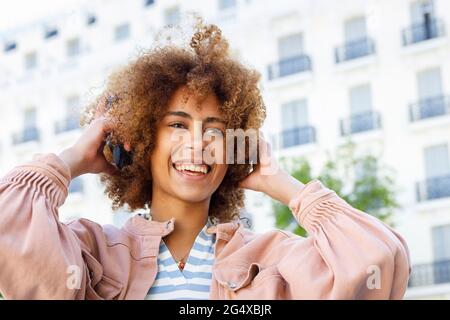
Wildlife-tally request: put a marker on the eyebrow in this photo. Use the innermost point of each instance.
(188, 116)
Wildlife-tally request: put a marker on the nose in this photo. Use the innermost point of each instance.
(197, 143)
(192, 144)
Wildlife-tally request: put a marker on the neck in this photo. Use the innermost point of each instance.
(190, 218)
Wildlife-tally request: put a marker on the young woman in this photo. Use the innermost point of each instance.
(192, 245)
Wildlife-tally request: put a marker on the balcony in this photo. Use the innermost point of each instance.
(289, 66)
(67, 124)
(27, 135)
(430, 29)
(428, 274)
(354, 50)
(298, 136)
(433, 188)
(360, 122)
(429, 108)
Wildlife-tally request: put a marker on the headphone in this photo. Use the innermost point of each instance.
(120, 156)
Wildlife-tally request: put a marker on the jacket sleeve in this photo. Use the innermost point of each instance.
(40, 257)
(348, 254)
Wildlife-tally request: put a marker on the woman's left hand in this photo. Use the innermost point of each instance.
(266, 167)
(269, 178)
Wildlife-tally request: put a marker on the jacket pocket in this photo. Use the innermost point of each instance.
(109, 289)
(251, 281)
(98, 285)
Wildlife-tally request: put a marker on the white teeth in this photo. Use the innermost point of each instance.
(192, 167)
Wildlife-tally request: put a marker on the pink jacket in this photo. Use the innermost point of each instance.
(348, 255)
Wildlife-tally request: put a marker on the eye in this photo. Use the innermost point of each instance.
(213, 130)
(177, 125)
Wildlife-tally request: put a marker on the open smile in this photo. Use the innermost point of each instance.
(191, 171)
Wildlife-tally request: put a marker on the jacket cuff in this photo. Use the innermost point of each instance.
(53, 166)
(306, 199)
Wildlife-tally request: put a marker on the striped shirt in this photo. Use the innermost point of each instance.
(194, 281)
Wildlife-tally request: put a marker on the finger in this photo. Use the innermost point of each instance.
(112, 171)
(103, 126)
(263, 145)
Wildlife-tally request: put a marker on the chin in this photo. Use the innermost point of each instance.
(191, 194)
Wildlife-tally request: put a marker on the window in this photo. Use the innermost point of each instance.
(227, 4)
(290, 46)
(437, 171)
(291, 59)
(441, 252)
(432, 102)
(360, 99)
(362, 118)
(296, 128)
(72, 104)
(29, 131)
(51, 33)
(71, 119)
(424, 25)
(437, 161)
(295, 114)
(172, 16)
(122, 32)
(441, 239)
(10, 46)
(73, 47)
(421, 11)
(30, 117)
(355, 29)
(429, 83)
(357, 43)
(30, 60)
(91, 19)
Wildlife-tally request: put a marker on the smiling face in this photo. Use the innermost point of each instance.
(178, 166)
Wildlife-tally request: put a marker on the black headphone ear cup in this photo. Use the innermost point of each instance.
(121, 157)
(116, 156)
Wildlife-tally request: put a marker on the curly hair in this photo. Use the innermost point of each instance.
(143, 89)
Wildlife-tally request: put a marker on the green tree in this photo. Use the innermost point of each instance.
(360, 180)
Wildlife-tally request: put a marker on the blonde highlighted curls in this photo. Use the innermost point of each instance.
(142, 90)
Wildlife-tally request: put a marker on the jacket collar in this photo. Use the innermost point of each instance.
(147, 236)
(140, 226)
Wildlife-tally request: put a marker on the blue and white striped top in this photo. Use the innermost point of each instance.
(194, 281)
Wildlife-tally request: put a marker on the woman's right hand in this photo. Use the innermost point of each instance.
(86, 155)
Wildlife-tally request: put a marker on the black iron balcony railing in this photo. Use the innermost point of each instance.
(360, 122)
(76, 185)
(26, 135)
(433, 188)
(429, 108)
(67, 124)
(298, 136)
(289, 66)
(429, 29)
(428, 274)
(354, 49)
